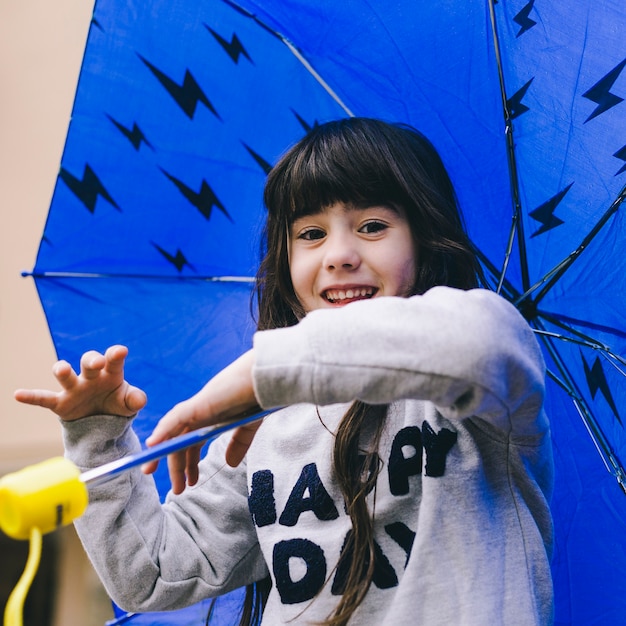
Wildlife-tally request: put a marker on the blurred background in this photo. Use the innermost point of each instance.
(41, 48)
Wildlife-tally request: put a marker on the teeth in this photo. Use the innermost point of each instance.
(336, 295)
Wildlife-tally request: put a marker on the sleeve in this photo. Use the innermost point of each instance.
(469, 352)
(153, 557)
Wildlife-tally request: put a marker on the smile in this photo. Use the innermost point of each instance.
(349, 294)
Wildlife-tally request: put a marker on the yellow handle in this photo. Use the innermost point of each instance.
(13, 610)
(44, 496)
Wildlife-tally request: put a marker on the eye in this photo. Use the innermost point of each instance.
(311, 234)
(373, 227)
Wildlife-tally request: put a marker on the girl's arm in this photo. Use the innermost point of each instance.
(469, 352)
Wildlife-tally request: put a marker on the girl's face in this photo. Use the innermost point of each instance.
(342, 254)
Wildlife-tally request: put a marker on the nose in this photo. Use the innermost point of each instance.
(341, 253)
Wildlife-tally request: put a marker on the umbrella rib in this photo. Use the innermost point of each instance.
(517, 225)
(294, 50)
(606, 350)
(510, 291)
(213, 279)
(329, 90)
(567, 323)
(551, 277)
(576, 400)
(567, 383)
(582, 338)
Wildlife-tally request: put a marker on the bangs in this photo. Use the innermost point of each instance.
(329, 168)
(322, 182)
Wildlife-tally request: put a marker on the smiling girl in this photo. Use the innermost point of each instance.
(407, 479)
(343, 253)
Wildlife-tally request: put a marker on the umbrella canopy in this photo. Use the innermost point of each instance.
(183, 106)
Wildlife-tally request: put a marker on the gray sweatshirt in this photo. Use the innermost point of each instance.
(462, 526)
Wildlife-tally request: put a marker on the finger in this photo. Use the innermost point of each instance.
(150, 467)
(91, 364)
(170, 425)
(135, 399)
(36, 397)
(115, 357)
(65, 374)
(176, 465)
(193, 458)
(240, 442)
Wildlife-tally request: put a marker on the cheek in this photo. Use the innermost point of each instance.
(409, 276)
(300, 276)
(294, 272)
(407, 269)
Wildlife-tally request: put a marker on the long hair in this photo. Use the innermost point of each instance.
(361, 162)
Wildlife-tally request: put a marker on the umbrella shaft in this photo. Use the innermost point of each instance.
(106, 472)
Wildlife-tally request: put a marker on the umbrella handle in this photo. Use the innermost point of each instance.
(53, 493)
(13, 611)
(44, 496)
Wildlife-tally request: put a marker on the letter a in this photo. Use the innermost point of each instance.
(318, 501)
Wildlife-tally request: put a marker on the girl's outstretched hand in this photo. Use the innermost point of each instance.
(227, 395)
(99, 388)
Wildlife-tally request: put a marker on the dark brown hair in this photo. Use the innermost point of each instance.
(361, 162)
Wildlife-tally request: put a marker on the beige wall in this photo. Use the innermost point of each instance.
(41, 47)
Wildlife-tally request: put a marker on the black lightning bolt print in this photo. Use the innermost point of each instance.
(545, 213)
(523, 19)
(621, 154)
(204, 200)
(597, 381)
(600, 93)
(307, 127)
(514, 103)
(135, 135)
(263, 164)
(178, 260)
(187, 95)
(234, 48)
(87, 189)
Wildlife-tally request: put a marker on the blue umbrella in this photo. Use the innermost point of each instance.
(180, 111)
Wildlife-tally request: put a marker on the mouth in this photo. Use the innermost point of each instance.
(349, 294)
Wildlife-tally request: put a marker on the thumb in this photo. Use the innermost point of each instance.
(135, 399)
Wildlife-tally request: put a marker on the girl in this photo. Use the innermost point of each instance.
(406, 481)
